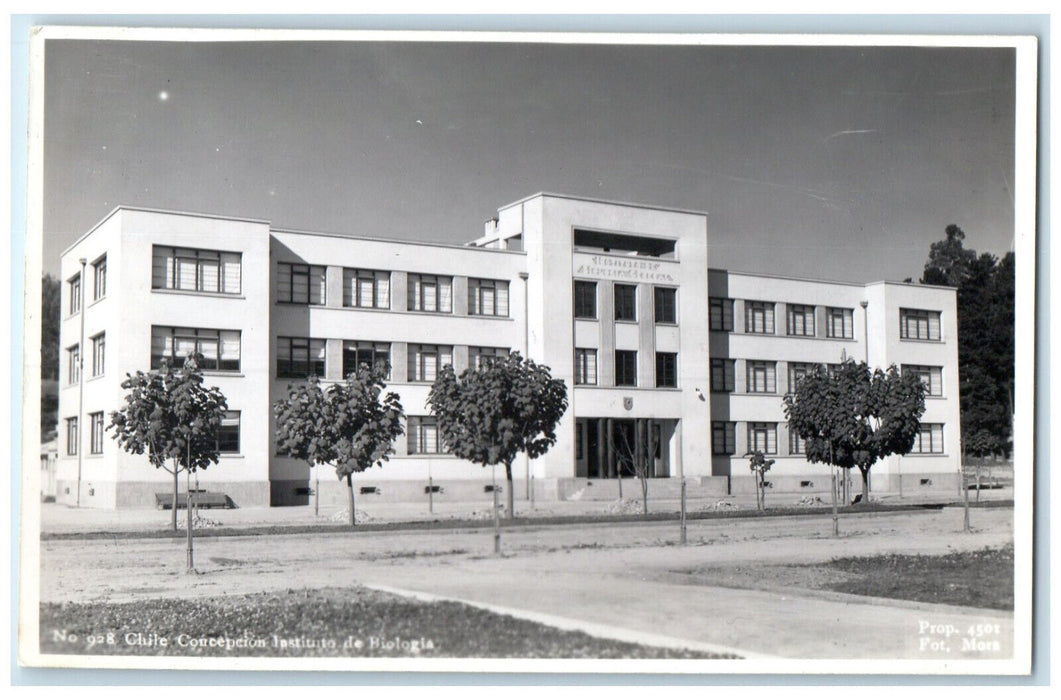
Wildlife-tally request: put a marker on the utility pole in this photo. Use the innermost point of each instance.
(526, 354)
(81, 379)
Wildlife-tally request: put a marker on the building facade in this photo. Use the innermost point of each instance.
(661, 353)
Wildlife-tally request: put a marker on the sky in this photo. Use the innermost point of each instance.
(840, 163)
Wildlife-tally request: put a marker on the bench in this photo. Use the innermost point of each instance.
(203, 499)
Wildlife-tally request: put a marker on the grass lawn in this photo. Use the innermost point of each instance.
(355, 622)
(981, 579)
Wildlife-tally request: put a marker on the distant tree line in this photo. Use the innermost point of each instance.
(986, 362)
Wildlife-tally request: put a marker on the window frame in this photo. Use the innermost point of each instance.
(672, 370)
(620, 304)
(907, 315)
(919, 442)
(310, 362)
(930, 370)
(73, 361)
(769, 369)
(436, 281)
(800, 314)
(352, 297)
(75, 289)
(476, 301)
(96, 431)
(415, 354)
(197, 335)
(375, 347)
(476, 355)
(769, 317)
(671, 305)
(99, 278)
(580, 300)
(238, 431)
(170, 257)
(99, 354)
(73, 436)
(769, 430)
(846, 318)
(416, 444)
(724, 320)
(630, 355)
(584, 368)
(302, 270)
(728, 368)
(727, 445)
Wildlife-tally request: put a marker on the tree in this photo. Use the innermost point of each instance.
(491, 414)
(759, 465)
(638, 455)
(986, 301)
(302, 428)
(170, 415)
(362, 425)
(851, 417)
(50, 314)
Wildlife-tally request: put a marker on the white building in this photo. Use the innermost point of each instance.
(618, 299)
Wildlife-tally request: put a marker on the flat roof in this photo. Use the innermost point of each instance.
(613, 202)
(828, 281)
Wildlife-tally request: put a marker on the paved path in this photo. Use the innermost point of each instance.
(629, 576)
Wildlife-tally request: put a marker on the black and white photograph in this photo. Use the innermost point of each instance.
(502, 352)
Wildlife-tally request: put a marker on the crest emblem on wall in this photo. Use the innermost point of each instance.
(628, 402)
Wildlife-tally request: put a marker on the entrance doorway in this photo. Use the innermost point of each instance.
(610, 448)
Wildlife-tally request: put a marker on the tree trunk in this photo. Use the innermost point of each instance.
(188, 507)
(350, 493)
(865, 485)
(511, 491)
(176, 488)
(644, 495)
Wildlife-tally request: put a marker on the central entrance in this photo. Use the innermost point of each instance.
(611, 448)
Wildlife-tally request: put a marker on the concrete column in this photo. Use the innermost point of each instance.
(606, 323)
(399, 291)
(782, 439)
(399, 362)
(460, 296)
(781, 318)
(609, 437)
(740, 438)
(738, 315)
(460, 358)
(740, 376)
(646, 342)
(333, 286)
(602, 448)
(819, 321)
(781, 378)
(333, 359)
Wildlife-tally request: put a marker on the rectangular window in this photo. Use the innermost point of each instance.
(301, 284)
(723, 437)
(99, 349)
(228, 433)
(73, 362)
(297, 358)
(99, 278)
(194, 270)
(96, 425)
(487, 297)
(585, 366)
(762, 437)
(800, 320)
(666, 369)
(426, 360)
(919, 324)
(585, 299)
(796, 444)
(220, 348)
(74, 286)
(796, 372)
(625, 302)
(666, 303)
(931, 377)
(759, 317)
(364, 352)
(625, 368)
(723, 375)
(423, 435)
(762, 377)
(839, 323)
(480, 357)
(929, 439)
(71, 436)
(367, 289)
(430, 293)
(721, 314)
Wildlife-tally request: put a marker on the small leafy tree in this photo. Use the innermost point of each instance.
(363, 424)
(491, 414)
(170, 415)
(302, 428)
(759, 465)
(851, 417)
(640, 459)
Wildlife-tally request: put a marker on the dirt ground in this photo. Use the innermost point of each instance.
(630, 575)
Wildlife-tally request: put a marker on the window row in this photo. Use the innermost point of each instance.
(99, 285)
(762, 437)
(196, 270)
(73, 359)
(624, 302)
(227, 434)
(371, 289)
(800, 319)
(220, 348)
(625, 368)
(761, 376)
(297, 358)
